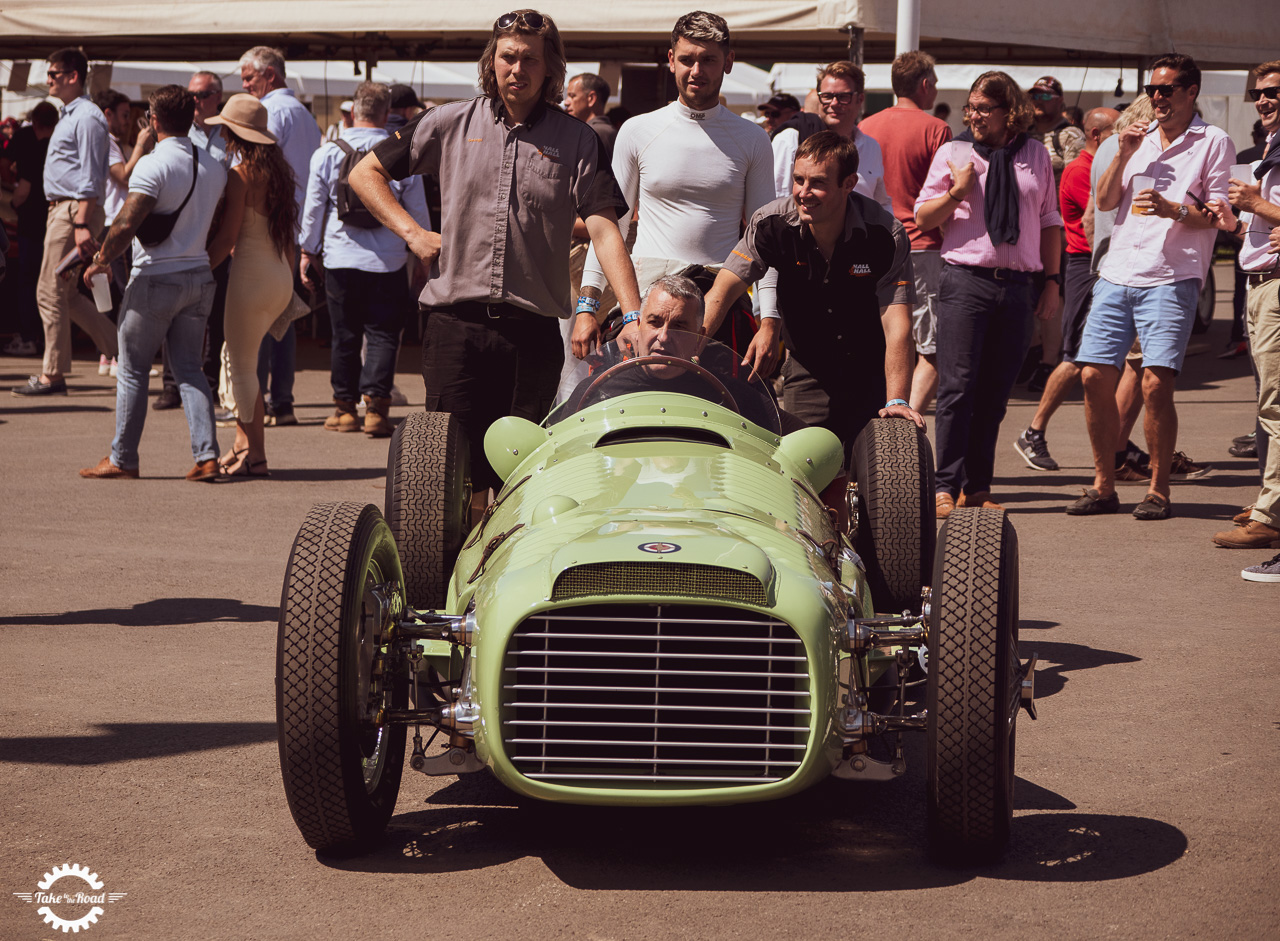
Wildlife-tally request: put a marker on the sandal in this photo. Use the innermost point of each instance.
(225, 463)
(1094, 504)
(246, 468)
(1152, 507)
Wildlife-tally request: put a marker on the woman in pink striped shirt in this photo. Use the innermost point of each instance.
(1001, 240)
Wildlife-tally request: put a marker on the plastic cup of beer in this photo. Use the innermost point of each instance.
(1242, 172)
(961, 152)
(1140, 183)
(101, 293)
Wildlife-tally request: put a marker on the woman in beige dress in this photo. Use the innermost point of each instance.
(258, 225)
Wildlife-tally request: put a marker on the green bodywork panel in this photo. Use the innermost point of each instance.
(568, 502)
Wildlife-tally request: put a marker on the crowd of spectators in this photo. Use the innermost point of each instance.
(1039, 245)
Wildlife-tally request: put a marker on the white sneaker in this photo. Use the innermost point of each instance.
(20, 347)
(1266, 572)
(114, 368)
(104, 366)
(154, 372)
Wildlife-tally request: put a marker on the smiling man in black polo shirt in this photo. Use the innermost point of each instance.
(845, 291)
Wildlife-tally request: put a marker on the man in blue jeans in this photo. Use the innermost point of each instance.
(171, 288)
(364, 269)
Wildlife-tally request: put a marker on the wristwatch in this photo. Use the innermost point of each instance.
(1056, 276)
(1183, 211)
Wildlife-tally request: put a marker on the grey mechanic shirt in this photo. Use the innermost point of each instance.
(509, 196)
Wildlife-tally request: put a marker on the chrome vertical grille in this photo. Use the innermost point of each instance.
(682, 696)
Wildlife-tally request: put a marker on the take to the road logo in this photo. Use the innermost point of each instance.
(70, 897)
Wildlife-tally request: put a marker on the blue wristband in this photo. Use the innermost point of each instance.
(631, 316)
(587, 305)
(892, 402)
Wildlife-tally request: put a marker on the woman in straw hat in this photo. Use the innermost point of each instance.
(258, 224)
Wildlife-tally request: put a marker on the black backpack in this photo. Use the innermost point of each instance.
(351, 211)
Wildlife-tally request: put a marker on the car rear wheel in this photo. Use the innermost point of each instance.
(428, 501)
(893, 465)
(343, 589)
(973, 687)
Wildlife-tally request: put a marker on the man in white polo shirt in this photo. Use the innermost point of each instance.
(1257, 199)
(170, 289)
(1149, 283)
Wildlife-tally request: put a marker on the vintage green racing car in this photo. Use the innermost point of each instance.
(657, 608)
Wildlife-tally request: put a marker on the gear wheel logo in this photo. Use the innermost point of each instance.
(61, 888)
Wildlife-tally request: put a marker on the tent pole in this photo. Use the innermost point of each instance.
(855, 44)
(908, 26)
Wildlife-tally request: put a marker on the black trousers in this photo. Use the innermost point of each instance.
(364, 305)
(484, 362)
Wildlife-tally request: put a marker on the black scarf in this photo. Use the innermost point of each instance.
(1270, 161)
(1000, 201)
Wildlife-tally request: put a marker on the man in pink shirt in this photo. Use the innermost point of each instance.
(1149, 283)
(909, 136)
(1257, 199)
(1003, 227)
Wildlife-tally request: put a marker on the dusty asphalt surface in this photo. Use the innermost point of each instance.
(137, 639)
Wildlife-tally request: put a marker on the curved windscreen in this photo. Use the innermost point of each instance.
(675, 362)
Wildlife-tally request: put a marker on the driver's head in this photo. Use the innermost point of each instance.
(670, 321)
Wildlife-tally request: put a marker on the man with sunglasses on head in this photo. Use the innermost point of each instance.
(514, 171)
(75, 184)
(1257, 200)
(1002, 228)
(694, 170)
(1149, 283)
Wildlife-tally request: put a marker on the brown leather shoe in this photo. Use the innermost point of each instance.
(376, 423)
(105, 470)
(205, 470)
(1242, 518)
(344, 417)
(943, 504)
(980, 499)
(1252, 535)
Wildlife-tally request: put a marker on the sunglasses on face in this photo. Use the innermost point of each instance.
(843, 97)
(58, 73)
(533, 21)
(1043, 96)
(768, 113)
(984, 110)
(1164, 91)
(207, 93)
(1257, 94)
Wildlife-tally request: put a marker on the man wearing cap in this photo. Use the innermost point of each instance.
(75, 175)
(1149, 282)
(262, 74)
(170, 288)
(514, 172)
(405, 106)
(1063, 140)
(364, 272)
(1257, 199)
(788, 128)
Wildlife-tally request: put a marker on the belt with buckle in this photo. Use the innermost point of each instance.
(480, 311)
(57, 202)
(1262, 277)
(1000, 274)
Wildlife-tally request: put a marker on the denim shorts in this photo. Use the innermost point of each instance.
(1160, 316)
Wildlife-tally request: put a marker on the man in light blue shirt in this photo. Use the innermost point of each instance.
(262, 73)
(170, 289)
(364, 269)
(75, 183)
(206, 88)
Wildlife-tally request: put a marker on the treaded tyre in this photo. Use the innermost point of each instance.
(342, 589)
(428, 501)
(974, 689)
(893, 465)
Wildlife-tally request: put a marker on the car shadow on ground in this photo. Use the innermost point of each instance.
(836, 837)
(115, 742)
(327, 473)
(1056, 660)
(162, 612)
